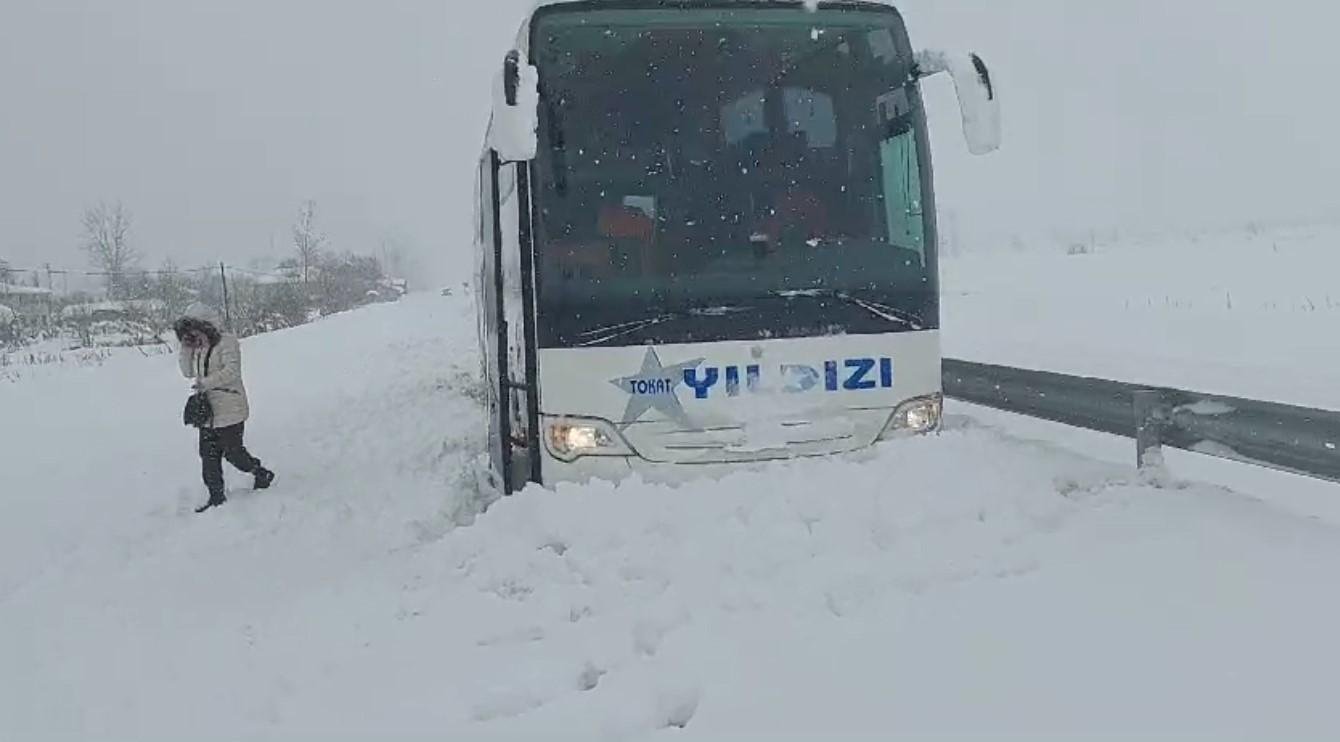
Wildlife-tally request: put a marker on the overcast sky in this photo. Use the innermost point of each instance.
(1143, 114)
(213, 120)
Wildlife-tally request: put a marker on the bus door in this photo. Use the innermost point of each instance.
(509, 311)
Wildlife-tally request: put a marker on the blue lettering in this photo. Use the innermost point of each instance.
(701, 388)
(852, 374)
(733, 381)
(860, 368)
(799, 378)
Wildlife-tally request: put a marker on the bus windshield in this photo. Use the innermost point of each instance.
(713, 174)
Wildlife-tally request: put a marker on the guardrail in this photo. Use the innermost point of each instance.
(1293, 439)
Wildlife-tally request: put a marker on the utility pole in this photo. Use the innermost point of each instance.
(49, 286)
(223, 276)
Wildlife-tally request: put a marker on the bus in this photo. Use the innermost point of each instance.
(706, 237)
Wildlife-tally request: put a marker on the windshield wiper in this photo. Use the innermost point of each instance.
(605, 333)
(602, 335)
(883, 311)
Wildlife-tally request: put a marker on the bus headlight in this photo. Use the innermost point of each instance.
(914, 417)
(569, 439)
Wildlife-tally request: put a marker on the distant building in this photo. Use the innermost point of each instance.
(110, 311)
(31, 304)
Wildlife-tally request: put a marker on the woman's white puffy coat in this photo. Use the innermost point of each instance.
(227, 394)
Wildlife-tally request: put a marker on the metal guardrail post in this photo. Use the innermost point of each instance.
(1300, 440)
(1148, 408)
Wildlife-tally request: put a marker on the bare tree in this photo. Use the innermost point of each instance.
(6, 273)
(307, 240)
(173, 289)
(107, 242)
(345, 281)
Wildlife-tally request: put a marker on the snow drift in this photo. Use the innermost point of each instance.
(970, 583)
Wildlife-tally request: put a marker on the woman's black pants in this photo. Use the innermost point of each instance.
(217, 444)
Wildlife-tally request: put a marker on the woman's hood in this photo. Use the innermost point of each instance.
(203, 313)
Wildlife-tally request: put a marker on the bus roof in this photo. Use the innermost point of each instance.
(652, 4)
(702, 3)
(523, 35)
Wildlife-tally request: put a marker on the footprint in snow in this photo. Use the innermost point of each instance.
(589, 677)
(677, 707)
(505, 704)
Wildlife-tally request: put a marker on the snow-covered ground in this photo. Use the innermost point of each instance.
(60, 356)
(980, 583)
(1250, 312)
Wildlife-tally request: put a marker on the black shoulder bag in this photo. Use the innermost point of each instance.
(199, 413)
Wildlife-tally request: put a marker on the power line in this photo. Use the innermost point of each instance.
(138, 272)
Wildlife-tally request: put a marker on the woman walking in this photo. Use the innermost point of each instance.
(213, 359)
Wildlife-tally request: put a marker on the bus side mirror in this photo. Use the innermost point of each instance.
(977, 95)
(511, 76)
(516, 107)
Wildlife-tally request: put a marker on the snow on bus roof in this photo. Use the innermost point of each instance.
(810, 4)
(523, 36)
(673, 4)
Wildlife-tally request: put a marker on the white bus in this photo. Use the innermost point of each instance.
(706, 236)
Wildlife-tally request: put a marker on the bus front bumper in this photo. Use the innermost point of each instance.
(620, 469)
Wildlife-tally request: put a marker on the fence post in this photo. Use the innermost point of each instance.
(227, 314)
(1147, 406)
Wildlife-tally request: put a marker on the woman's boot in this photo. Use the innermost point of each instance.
(214, 502)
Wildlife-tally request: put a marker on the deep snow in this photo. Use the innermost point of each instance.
(974, 583)
(1251, 312)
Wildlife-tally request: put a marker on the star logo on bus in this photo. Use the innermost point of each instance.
(654, 388)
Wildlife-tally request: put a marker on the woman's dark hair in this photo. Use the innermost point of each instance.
(190, 324)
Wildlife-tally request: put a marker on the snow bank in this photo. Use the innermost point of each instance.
(1247, 313)
(348, 410)
(1031, 592)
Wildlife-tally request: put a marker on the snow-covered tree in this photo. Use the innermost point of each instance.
(345, 281)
